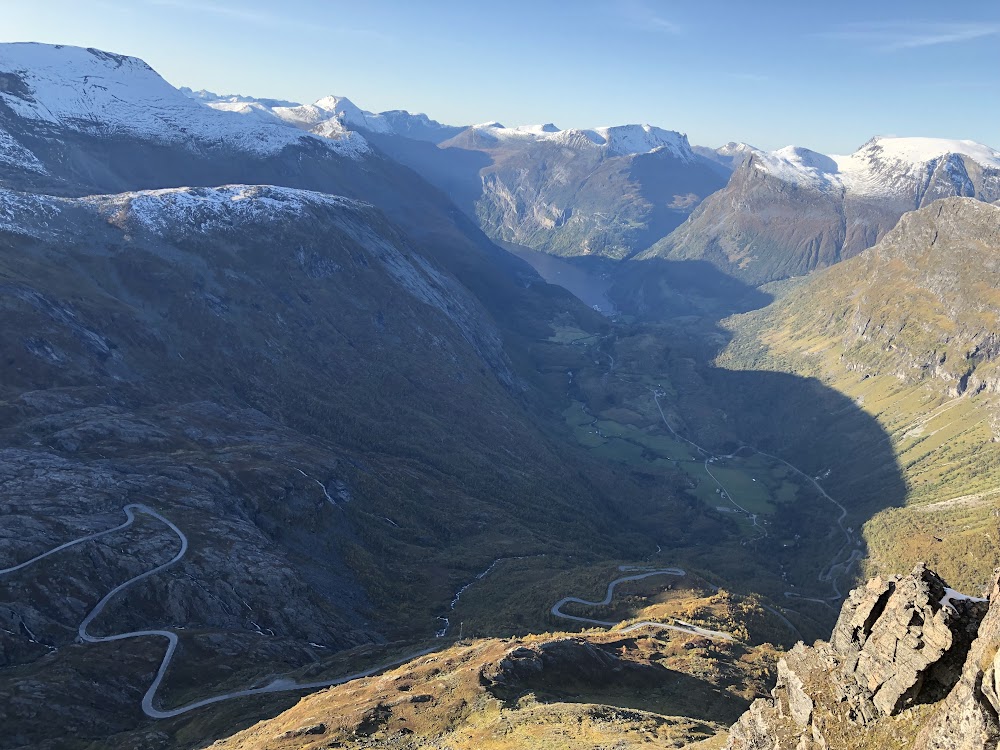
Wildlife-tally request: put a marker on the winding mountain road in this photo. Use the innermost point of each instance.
(130, 517)
(825, 576)
(709, 457)
(279, 685)
(683, 627)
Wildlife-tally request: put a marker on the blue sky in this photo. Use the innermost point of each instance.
(819, 74)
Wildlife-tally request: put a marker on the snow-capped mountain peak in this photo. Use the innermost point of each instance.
(353, 116)
(322, 112)
(734, 148)
(331, 116)
(886, 165)
(799, 166)
(641, 139)
(730, 155)
(923, 150)
(883, 166)
(618, 140)
(538, 129)
(99, 93)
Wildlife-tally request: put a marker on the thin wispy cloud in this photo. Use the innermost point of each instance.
(239, 13)
(642, 15)
(899, 36)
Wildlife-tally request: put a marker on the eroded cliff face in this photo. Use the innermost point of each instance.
(910, 664)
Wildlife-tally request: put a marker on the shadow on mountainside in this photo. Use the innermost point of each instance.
(617, 675)
(661, 290)
(808, 545)
(452, 169)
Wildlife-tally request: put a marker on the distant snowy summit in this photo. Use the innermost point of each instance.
(787, 212)
(98, 93)
(729, 156)
(881, 167)
(330, 117)
(210, 96)
(618, 140)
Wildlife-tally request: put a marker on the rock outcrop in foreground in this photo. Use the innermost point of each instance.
(910, 664)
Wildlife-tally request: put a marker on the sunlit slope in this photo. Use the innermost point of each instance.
(908, 331)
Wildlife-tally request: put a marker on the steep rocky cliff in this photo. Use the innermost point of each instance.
(922, 304)
(609, 192)
(910, 664)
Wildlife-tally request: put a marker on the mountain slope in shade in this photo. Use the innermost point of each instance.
(334, 396)
(787, 212)
(335, 420)
(419, 127)
(77, 122)
(908, 331)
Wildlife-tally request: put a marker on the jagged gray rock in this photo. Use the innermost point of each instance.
(899, 643)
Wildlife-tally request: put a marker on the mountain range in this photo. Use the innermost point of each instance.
(798, 210)
(607, 191)
(638, 192)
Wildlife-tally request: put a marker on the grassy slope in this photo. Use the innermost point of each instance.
(897, 331)
(694, 690)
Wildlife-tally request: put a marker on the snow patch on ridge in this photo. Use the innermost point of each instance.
(951, 596)
(173, 210)
(201, 208)
(210, 97)
(247, 109)
(16, 155)
(26, 214)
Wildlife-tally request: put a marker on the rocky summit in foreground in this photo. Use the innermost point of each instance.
(910, 664)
